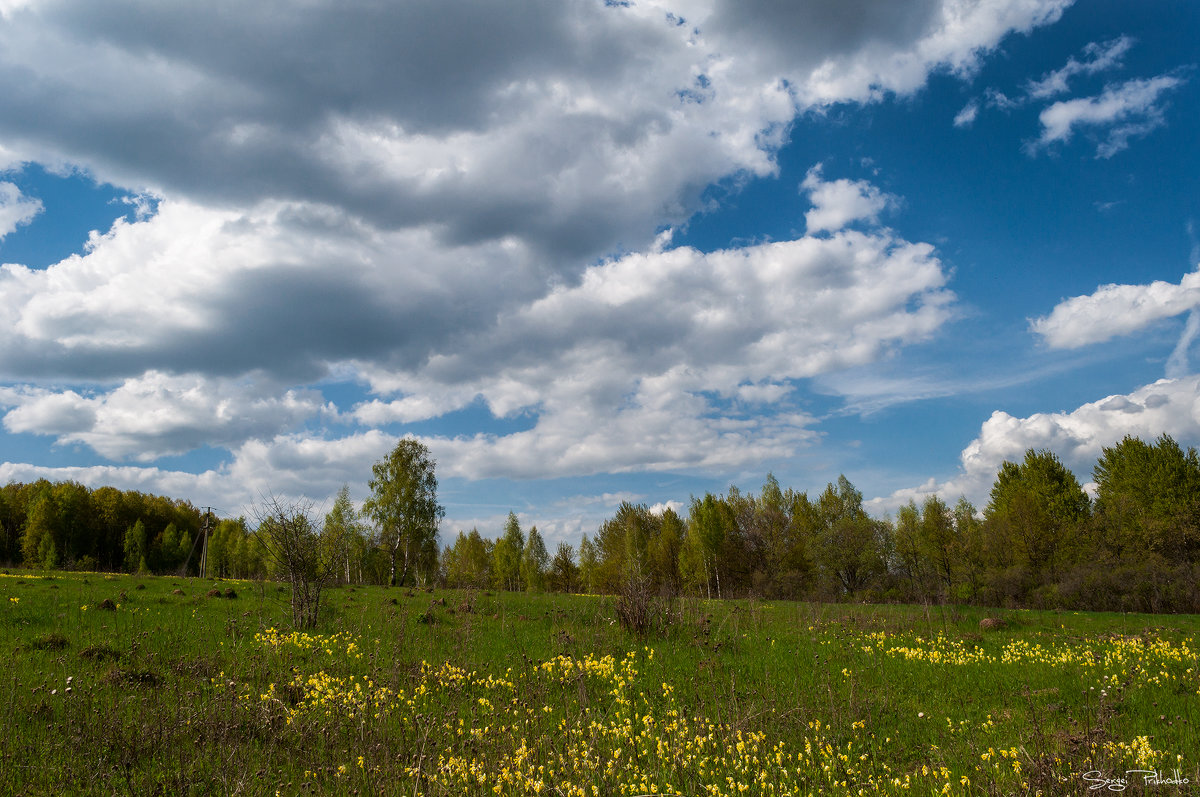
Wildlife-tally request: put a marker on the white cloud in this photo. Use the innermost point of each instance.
(861, 50)
(1177, 363)
(966, 117)
(427, 197)
(1170, 406)
(1116, 310)
(158, 415)
(1097, 58)
(1121, 112)
(15, 208)
(655, 361)
(669, 359)
(840, 202)
(282, 290)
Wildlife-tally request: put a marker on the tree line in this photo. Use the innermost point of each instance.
(1040, 541)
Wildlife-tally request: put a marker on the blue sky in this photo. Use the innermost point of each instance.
(593, 252)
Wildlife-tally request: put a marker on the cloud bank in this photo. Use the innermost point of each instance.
(451, 203)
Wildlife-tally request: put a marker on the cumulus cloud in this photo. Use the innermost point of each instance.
(1116, 310)
(158, 415)
(654, 360)
(187, 288)
(668, 359)
(1170, 406)
(15, 208)
(861, 50)
(452, 203)
(1122, 112)
(841, 202)
(564, 124)
(573, 126)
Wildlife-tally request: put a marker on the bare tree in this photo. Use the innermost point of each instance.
(294, 548)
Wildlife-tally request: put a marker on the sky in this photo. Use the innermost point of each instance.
(593, 251)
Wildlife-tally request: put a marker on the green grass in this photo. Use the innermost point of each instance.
(176, 692)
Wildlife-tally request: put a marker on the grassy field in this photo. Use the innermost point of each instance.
(138, 685)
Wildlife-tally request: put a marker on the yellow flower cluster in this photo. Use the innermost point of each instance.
(331, 645)
(1113, 660)
(332, 696)
(1138, 753)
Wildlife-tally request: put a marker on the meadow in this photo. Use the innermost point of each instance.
(143, 685)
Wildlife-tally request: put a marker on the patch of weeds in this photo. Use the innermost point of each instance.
(51, 641)
(107, 604)
(134, 677)
(100, 652)
(200, 668)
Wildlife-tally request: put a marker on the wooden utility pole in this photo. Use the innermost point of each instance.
(204, 550)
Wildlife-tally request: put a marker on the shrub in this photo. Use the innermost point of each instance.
(640, 609)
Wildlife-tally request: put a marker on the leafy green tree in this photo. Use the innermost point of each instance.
(623, 545)
(342, 535)
(910, 565)
(588, 563)
(1148, 498)
(851, 547)
(48, 553)
(742, 554)
(506, 565)
(796, 552)
(1035, 511)
(564, 573)
(708, 523)
(468, 562)
(535, 562)
(137, 547)
(404, 504)
(74, 517)
(41, 527)
(969, 530)
(772, 527)
(663, 551)
(939, 542)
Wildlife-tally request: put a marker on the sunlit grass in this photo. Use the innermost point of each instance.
(403, 691)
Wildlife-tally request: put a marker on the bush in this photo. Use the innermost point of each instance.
(640, 609)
